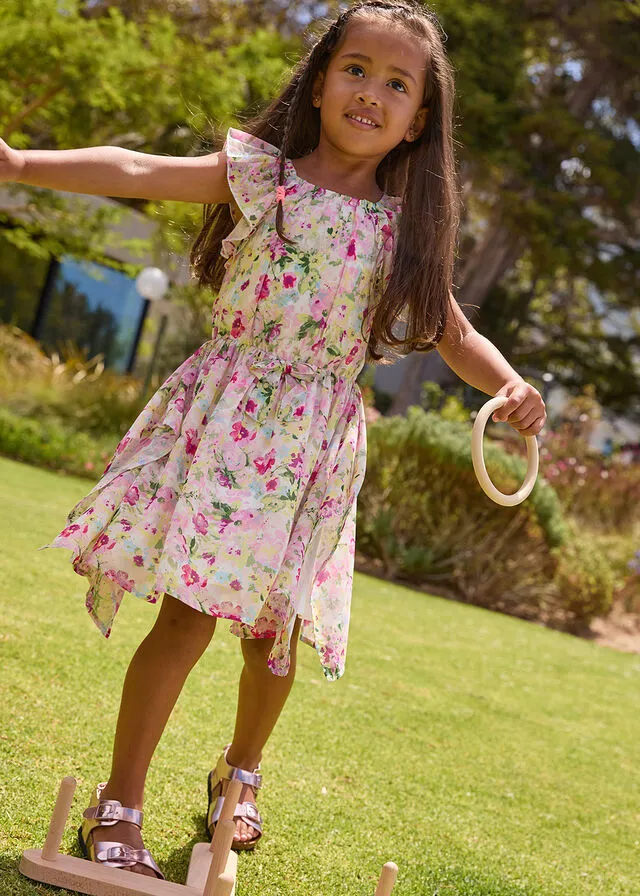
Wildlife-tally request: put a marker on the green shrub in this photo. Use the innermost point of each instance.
(422, 513)
(74, 391)
(46, 443)
(584, 580)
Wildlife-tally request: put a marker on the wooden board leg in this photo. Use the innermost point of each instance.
(223, 835)
(387, 879)
(59, 819)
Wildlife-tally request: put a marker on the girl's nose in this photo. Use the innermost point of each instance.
(367, 96)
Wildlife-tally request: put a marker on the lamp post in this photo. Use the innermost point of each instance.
(152, 284)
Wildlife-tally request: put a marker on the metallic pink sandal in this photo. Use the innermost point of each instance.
(104, 813)
(247, 811)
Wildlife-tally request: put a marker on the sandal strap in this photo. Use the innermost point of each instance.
(247, 812)
(121, 855)
(251, 778)
(110, 812)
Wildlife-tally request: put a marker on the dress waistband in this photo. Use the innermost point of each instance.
(261, 362)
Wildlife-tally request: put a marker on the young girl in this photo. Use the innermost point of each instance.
(233, 495)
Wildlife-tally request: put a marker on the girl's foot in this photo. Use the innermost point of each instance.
(246, 815)
(110, 835)
(122, 832)
(244, 830)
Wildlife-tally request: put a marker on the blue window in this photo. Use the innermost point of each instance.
(96, 308)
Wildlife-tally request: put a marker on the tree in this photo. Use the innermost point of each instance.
(547, 181)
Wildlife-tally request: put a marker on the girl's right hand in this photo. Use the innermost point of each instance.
(11, 163)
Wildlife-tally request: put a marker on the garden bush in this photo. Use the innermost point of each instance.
(74, 391)
(422, 514)
(47, 443)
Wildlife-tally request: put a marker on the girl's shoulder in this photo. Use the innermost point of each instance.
(260, 160)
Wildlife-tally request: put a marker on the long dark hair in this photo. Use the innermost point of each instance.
(421, 173)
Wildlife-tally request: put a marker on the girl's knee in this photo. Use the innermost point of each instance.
(255, 651)
(177, 622)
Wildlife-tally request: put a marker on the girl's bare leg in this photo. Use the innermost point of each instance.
(152, 685)
(261, 698)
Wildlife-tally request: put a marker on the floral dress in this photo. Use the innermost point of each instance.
(235, 489)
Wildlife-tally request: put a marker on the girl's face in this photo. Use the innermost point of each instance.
(377, 73)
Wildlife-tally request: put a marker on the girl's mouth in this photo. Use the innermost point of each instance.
(362, 121)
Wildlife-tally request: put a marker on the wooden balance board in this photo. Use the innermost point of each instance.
(212, 868)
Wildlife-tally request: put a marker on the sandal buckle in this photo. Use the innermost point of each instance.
(108, 811)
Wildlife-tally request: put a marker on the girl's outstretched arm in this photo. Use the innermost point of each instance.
(478, 362)
(114, 171)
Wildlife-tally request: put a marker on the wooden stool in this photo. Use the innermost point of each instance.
(212, 868)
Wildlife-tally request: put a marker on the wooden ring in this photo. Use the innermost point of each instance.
(477, 457)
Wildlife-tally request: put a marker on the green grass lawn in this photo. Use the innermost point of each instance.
(484, 755)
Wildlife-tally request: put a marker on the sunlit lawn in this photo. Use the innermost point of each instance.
(482, 754)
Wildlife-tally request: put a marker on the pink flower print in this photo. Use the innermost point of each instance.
(244, 285)
(272, 484)
(125, 525)
(387, 233)
(262, 289)
(189, 575)
(324, 444)
(274, 333)
(289, 281)
(137, 559)
(69, 530)
(296, 460)
(352, 354)
(204, 421)
(189, 376)
(351, 251)
(265, 463)
(200, 524)
(192, 441)
(240, 516)
(224, 480)
(351, 412)
(251, 406)
(103, 542)
(132, 496)
(179, 403)
(209, 557)
(233, 457)
(328, 508)
(237, 328)
(240, 432)
(123, 444)
(164, 493)
(319, 344)
(299, 411)
(235, 585)
(341, 311)
(316, 309)
(121, 579)
(322, 576)
(313, 477)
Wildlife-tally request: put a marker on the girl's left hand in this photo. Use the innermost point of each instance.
(524, 411)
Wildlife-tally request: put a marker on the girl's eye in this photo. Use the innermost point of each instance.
(360, 69)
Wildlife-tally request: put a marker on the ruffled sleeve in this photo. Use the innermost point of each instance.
(252, 172)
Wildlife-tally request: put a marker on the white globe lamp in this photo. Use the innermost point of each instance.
(152, 284)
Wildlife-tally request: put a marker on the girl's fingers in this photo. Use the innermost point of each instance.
(534, 427)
